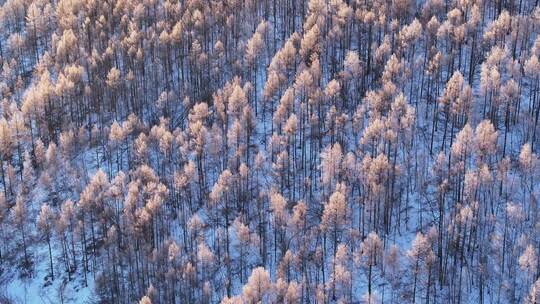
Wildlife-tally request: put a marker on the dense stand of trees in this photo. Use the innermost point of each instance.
(321, 151)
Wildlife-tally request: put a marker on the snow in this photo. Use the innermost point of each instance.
(39, 289)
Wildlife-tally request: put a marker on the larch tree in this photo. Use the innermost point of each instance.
(45, 223)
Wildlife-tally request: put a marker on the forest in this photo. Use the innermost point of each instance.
(269, 151)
